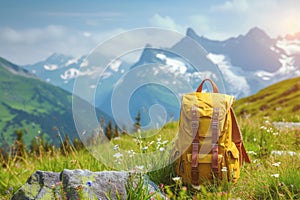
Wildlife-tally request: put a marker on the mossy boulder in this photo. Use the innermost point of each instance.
(77, 184)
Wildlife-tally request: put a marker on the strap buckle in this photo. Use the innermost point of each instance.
(195, 124)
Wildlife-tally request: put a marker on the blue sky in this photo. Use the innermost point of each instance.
(31, 30)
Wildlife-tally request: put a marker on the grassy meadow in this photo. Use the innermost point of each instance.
(269, 176)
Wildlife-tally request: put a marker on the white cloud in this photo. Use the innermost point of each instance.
(87, 34)
(165, 22)
(33, 35)
(274, 16)
(231, 6)
(27, 46)
(102, 14)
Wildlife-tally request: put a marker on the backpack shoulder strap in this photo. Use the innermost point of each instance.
(237, 138)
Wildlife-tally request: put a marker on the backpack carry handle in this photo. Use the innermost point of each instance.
(214, 86)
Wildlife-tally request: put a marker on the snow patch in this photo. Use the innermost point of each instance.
(106, 75)
(291, 47)
(50, 67)
(287, 65)
(115, 65)
(70, 73)
(161, 56)
(274, 49)
(85, 63)
(93, 86)
(174, 64)
(71, 61)
(238, 84)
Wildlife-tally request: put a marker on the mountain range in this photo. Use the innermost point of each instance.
(36, 107)
(247, 64)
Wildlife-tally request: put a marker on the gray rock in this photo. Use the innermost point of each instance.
(38, 186)
(78, 184)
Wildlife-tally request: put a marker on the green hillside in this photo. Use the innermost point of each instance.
(280, 102)
(34, 106)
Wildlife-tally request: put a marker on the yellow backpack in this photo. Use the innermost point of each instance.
(209, 142)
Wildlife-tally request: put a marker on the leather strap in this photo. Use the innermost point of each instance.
(195, 146)
(214, 86)
(237, 139)
(215, 138)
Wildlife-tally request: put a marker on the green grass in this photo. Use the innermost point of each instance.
(267, 177)
(280, 102)
(24, 100)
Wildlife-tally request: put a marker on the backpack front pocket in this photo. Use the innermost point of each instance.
(204, 166)
(233, 164)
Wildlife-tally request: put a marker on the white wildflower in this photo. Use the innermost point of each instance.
(176, 179)
(118, 155)
(276, 164)
(116, 147)
(139, 168)
(275, 175)
(145, 148)
(117, 138)
(161, 149)
(224, 169)
(131, 153)
(165, 142)
(252, 152)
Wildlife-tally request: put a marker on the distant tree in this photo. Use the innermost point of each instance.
(116, 131)
(78, 144)
(124, 131)
(108, 131)
(20, 147)
(34, 146)
(3, 157)
(102, 121)
(47, 146)
(137, 125)
(65, 147)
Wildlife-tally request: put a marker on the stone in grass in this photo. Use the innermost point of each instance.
(75, 184)
(38, 186)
